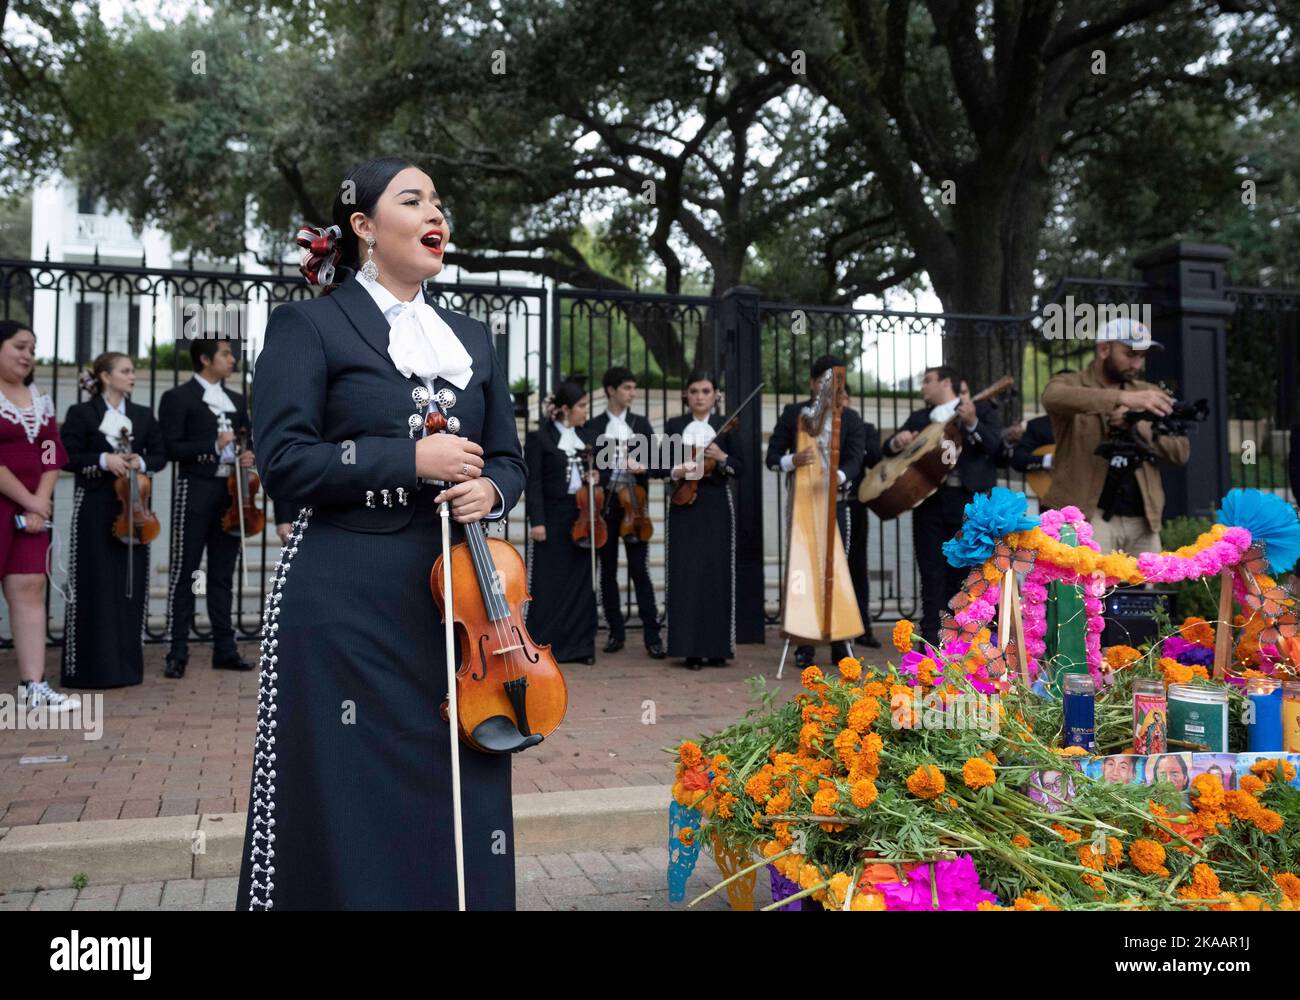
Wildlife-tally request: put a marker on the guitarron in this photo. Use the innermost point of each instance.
(820, 604)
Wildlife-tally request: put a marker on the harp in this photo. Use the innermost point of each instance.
(820, 604)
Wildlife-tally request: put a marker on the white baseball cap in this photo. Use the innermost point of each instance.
(1130, 332)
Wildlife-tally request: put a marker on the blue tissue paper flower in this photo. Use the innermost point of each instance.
(989, 517)
(1269, 519)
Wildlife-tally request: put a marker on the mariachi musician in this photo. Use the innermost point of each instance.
(784, 456)
(700, 537)
(560, 478)
(939, 516)
(107, 437)
(612, 432)
(194, 417)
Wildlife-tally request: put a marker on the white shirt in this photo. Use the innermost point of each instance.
(120, 408)
(227, 453)
(391, 306)
(570, 444)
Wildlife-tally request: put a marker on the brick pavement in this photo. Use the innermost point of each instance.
(584, 880)
(174, 748)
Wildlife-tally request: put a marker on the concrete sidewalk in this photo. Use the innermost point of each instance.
(577, 880)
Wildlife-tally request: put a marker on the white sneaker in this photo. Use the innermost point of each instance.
(40, 695)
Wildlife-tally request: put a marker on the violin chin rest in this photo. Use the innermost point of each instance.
(499, 734)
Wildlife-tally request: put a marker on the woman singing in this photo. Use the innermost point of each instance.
(700, 545)
(562, 612)
(31, 455)
(351, 788)
(103, 627)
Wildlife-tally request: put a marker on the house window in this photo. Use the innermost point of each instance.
(87, 203)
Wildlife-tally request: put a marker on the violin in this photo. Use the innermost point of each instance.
(687, 488)
(510, 693)
(636, 516)
(242, 517)
(589, 523)
(135, 522)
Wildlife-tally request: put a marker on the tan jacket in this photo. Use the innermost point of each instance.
(1079, 405)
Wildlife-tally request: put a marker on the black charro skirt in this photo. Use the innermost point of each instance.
(351, 804)
(562, 613)
(700, 592)
(103, 629)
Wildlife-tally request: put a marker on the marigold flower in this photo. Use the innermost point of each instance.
(686, 835)
(1148, 857)
(1119, 657)
(866, 901)
(1241, 804)
(925, 672)
(690, 755)
(1033, 901)
(1021, 841)
(1266, 770)
(811, 677)
(864, 793)
(850, 668)
(1066, 834)
(1197, 630)
(977, 773)
(1208, 792)
(926, 782)
(1290, 886)
(1204, 884)
(902, 636)
(1114, 852)
(810, 735)
(863, 713)
(1251, 784)
(1267, 820)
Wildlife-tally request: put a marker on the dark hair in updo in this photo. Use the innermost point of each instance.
(11, 327)
(106, 362)
(566, 394)
(363, 185)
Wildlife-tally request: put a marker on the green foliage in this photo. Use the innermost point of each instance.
(80, 881)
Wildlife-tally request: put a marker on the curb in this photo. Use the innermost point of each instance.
(123, 851)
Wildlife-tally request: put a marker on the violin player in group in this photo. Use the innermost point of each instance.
(625, 481)
(194, 417)
(351, 786)
(564, 522)
(110, 440)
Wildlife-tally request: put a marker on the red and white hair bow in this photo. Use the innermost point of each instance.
(321, 253)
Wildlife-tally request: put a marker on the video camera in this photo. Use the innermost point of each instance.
(1124, 451)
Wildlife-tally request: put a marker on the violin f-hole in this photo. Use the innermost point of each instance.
(519, 637)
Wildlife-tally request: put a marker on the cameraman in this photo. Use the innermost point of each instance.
(1086, 407)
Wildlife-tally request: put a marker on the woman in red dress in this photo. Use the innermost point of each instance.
(31, 455)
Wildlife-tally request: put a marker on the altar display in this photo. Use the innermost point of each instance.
(1021, 765)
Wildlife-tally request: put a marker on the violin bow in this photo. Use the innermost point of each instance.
(239, 502)
(124, 446)
(453, 708)
(591, 528)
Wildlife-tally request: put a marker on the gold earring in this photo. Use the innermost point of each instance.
(370, 269)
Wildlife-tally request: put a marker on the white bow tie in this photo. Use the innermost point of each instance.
(112, 425)
(421, 343)
(942, 413)
(217, 400)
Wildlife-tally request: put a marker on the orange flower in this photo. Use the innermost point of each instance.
(811, 678)
(1290, 886)
(687, 836)
(1148, 857)
(864, 793)
(926, 782)
(1204, 884)
(977, 773)
(1267, 820)
(1173, 671)
(925, 672)
(1033, 901)
(1252, 784)
(690, 755)
(1066, 834)
(1266, 770)
(1114, 853)
(1197, 630)
(1119, 657)
(1208, 792)
(903, 636)
(1021, 841)
(863, 713)
(850, 668)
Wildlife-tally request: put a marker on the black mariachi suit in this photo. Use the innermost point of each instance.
(102, 628)
(939, 516)
(199, 498)
(700, 552)
(562, 613)
(637, 551)
(351, 757)
(853, 449)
